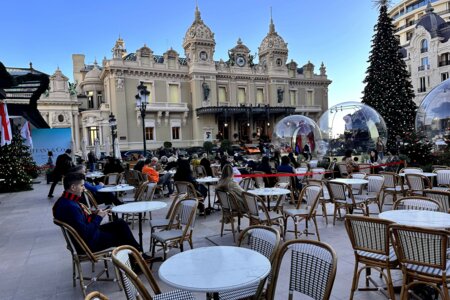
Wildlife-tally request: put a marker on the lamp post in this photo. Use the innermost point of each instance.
(141, 104)
(113, 126)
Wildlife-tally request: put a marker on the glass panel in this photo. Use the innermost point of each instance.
(260, 96)
(174, 95)
(241, 95)
(222, 94)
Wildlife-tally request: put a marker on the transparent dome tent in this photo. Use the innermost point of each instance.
(292, 133)
(433, 115)
(351, 125)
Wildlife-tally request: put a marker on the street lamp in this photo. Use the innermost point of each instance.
(141, 104)
(113, 126)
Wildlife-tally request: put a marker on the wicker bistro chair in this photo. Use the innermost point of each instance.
(180, 228)
(113, 178)
(137, 193)
(246, 183)
(357, 189)
(258, 213)
(302, 173)
(423, 258)
(342, 197)
(262, 239)
(411, 170)
(442, 197)
(370, 241)
(260, 182)
(311, 194)
(392, 186)
(443, 177)
(312, 269)
(185, 189)
(200, 171)
(417, 203)
(324, 197)
(95, 295)
(134, 287)
(91, 203)
(365, 168)
(133, 177)
(373, 192)
(416, 183)
(230, 211)
(342, 167)
(81, 253)
(286, 182)
(317, 173)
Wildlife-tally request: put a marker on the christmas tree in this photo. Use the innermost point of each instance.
(17, 166)
(388, 88)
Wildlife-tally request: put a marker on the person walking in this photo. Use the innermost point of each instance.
(50, 167)
(380, 148)
(63, 165)
(91, 161)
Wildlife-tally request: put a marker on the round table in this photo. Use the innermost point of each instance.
(427, 174)
(350, 181)
(208, 180)
(139, 208)
(418, 218)
(93, 175)
(116, 188)
(266, 192)
(214, 269)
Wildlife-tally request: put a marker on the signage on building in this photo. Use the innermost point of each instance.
(207, 136)
(56, 140)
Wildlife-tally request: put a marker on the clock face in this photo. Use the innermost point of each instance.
(203, 55)
(192, 33)
(240, 61)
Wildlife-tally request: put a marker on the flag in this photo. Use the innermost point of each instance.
(25, 132)
(5, 126)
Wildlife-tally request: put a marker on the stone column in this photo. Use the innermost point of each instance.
(76, 129)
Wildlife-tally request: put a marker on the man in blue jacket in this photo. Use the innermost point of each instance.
(98, 237)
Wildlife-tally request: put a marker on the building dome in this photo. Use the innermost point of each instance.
(93, 75)
(431, 22)
(198, 29)
(272, 41)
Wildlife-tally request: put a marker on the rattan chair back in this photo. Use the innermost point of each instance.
(310, 194)
(342, 167)
(443, 177)
(317, 173)
(340, 191)
(111, 178)
(260, 182)
(411, 170)
(301, 173)
(391, 180)
(200, 171)
(91, 203)
(417, 203)
(417, 183)
(246, 183)
(312, 271)
(95, 295)
(376, 183)
(442, 197)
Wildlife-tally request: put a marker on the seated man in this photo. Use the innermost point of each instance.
(153, 176)
(98, 237)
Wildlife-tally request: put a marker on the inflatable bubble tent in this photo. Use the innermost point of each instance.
(293, 133)
(433, 115)
(351, 125)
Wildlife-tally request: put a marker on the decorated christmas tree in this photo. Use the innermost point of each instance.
(17, 166)
(388, 88)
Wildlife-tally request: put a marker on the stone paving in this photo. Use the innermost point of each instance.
(35, 263)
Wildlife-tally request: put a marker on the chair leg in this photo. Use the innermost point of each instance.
(74, 275)
(317, 228)
(295, 227)
(389, 284)
(324, 212)
(232, 228)
(355, 280)
(335, 214)
(223, 224)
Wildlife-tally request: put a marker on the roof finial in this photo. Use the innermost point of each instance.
(429, 8)
(31, 65)
(197, 12)
(272, 26)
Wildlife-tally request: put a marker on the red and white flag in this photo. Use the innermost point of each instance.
(5, 126)
(25, 132)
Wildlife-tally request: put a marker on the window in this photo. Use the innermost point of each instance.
(90, 98)
(150, 133)
(292, 73)
(309, 98)
(279, 62)
(293, 97)
(223, 94)
(259, 95)
(424, 46)
(149, 86)
(444, 76)
(175, 133)
(99, 97)
(409, 35)
(92, 134)
(423, 64)
(172, 62)
(174, 93)
(241, 95)
(422, 86)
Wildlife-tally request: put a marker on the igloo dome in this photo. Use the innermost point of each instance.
(433, 115)
(351, 125)
(294, 132)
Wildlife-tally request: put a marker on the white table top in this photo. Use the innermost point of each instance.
(427, 174)
(138, 207)
(419, 218)
(214, 269)
(350, 180)
(95, 175)
(117, 188)
(207, 179)
(165, 172)
(269, 191)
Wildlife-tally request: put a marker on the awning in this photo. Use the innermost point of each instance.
(251, 110)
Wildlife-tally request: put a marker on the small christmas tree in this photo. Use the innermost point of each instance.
(16, 165)
(417, 150)
(388, 88)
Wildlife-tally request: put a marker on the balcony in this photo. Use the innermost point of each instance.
(424, 67)
(423, 50)
(167, 106)
(444, 63)
(421, 90)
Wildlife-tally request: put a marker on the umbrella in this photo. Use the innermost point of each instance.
(107, 148)
(117, 153)
(97, 152)
(83, 148)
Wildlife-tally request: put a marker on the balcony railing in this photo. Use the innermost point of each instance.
(167, 106)
(424, 67)
(421, 90)
(423, 50)
(444, 63)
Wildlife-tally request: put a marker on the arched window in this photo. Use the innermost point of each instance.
(423, 46)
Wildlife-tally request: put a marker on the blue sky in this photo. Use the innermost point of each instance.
(48, 32)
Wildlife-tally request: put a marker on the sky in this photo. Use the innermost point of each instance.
(335, 32)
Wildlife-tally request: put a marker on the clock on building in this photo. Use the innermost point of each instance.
(240, 61)
(203, 55)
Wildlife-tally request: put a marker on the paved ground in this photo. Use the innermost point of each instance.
(36, 265)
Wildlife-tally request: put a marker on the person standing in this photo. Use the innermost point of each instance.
(50, 167)
(91, 161)
(63, 165)
(380, 148)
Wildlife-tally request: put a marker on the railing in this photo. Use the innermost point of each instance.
(423, 50)
(166, 106)
(424, 67)
(422, 90)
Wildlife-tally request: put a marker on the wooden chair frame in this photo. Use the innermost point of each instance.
(420, 201)
(230, 210)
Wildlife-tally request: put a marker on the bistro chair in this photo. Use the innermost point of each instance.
(365, 168)
(342, 197)
(370, 240)
(342, 167)
(133, 177)
(113, 178)
(264, 240)
(312, 269)
(200, 171)
(310, 194)
(442, 197)
(285, 182)
(258, 213)
(81, 253)
(417, 203)
(260, 182)
(330, 169)
(137, 193)
(357, 188)
(422, 254)
(443, 177)
(179, 229)
(317, 173)
(411, 170)
(392, 186)
(185, 189)
(324, 197)
(91, 203)
(230, 211)
(416, 183)
(372, 194)
(246, 183)
(134, 287)
(95, 295)
(302, 174)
